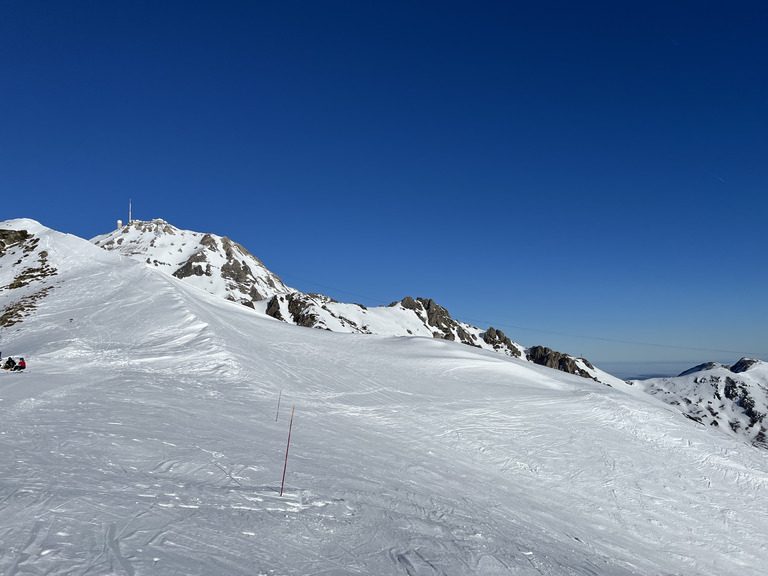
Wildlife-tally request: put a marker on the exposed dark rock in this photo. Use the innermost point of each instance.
(701, 368)
(29, 275)
(189, 269)
(12, 238)
(192, 266)
(498, 340)
(408, 303)
(316, 296)
(761, 440)
(299, 311)
(273, 308)
(731, 391)
(236, 271)
(437, 316)
(557, 360)
(694, 418)
(255, 294)
(587, 363)
(209, 242)
(17, 311)
(743, 365)
(465, 337)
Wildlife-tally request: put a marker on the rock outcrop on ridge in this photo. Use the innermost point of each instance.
(223, 267)
(408, 317)
(558, 360)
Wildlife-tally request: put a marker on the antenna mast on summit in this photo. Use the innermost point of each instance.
(129, 210)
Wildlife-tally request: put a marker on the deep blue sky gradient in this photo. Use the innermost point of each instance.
(587, 176)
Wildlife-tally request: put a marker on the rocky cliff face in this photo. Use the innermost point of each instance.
(733, 399)
(213, 263)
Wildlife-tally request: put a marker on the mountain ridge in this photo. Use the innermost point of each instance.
(732, 399)
(147, 437)
(223, 267)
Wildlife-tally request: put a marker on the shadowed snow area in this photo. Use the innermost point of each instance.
(143, 440)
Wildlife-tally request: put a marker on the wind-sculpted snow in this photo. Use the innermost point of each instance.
(226, 269)
(145, 439)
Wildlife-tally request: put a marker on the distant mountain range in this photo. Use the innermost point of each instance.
(733, 399)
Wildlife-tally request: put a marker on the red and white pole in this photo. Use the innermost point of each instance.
(286, 450)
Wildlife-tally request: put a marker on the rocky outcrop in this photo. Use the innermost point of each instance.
(499, 341)
(438, 320)
(700, 368)
(10, 238)
(314, 311)
(194, 266)
(30, 267)
(553, 359)
(743, 365)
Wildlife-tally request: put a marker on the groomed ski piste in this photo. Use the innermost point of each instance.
(145, 439)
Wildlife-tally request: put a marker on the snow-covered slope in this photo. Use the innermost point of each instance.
(145, 438)
(733, 399)
(224, 268)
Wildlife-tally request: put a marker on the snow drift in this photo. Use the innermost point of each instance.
(146, 439)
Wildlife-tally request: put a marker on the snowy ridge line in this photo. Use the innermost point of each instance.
(731, 399)
(226, 269)
(148, 445)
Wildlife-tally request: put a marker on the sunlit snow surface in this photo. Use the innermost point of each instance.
(144, 440)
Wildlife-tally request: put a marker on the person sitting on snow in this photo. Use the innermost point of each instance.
(20, 366)
(9, 364)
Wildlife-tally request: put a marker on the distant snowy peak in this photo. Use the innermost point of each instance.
(213, 263)
(743, 365)
(732, 398)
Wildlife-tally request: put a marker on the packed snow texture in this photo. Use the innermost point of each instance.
(145, 439)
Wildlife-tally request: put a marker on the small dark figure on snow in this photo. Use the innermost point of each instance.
(20, 366)
(9, 364)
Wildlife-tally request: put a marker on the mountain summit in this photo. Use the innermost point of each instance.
(212, 263)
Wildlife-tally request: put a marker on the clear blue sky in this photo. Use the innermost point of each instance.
(574, 173)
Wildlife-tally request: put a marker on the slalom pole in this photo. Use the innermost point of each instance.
(278, 405)
(286, 450)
